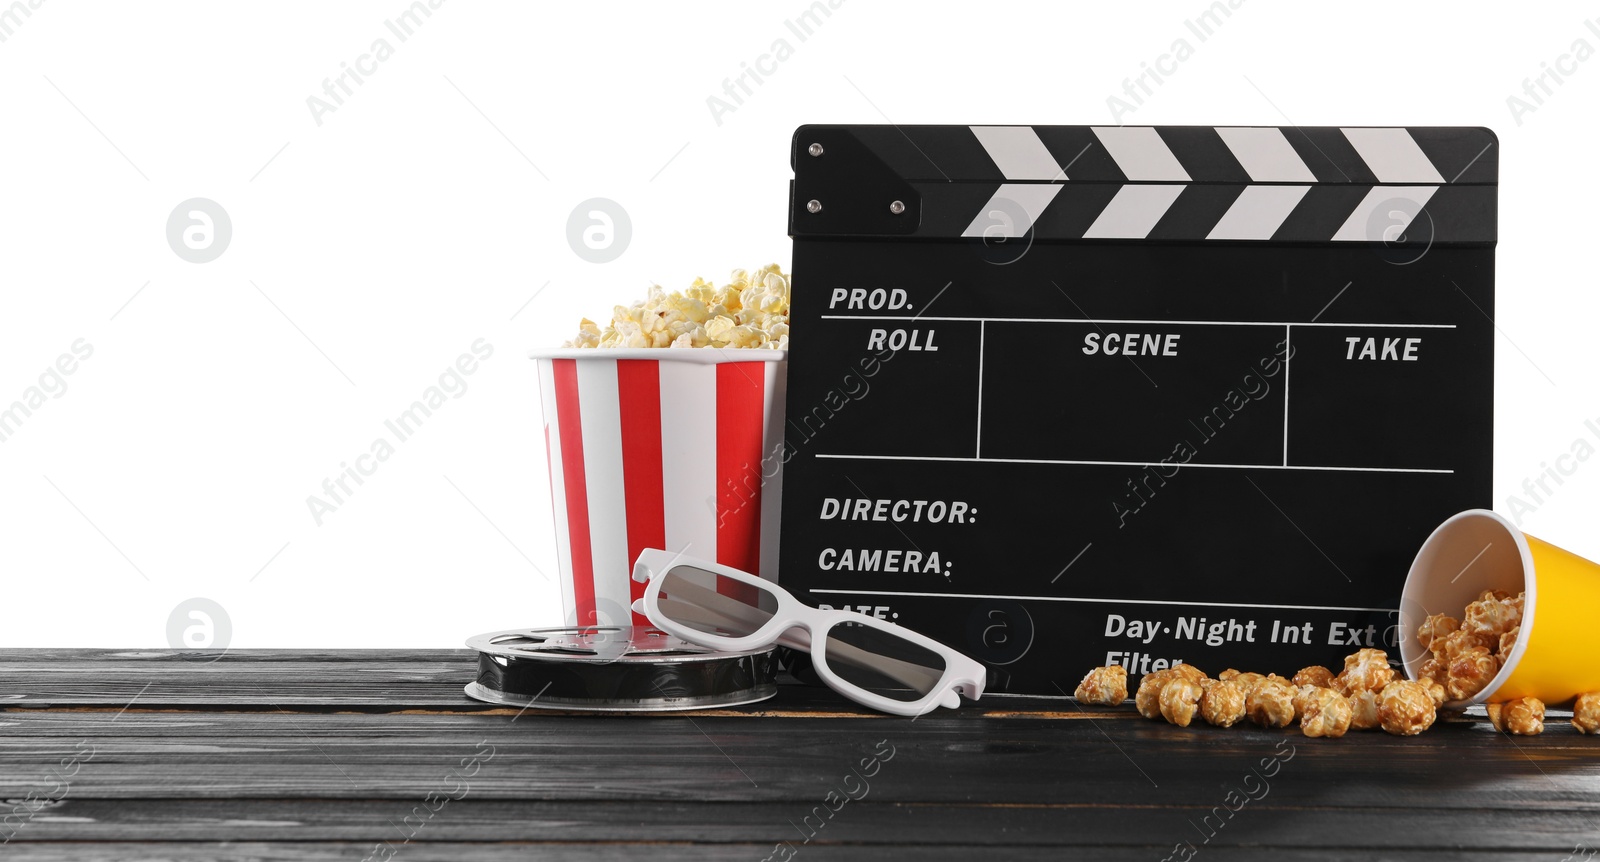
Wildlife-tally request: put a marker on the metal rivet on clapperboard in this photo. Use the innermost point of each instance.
(897, 207)
(814, 149)
(814, 206)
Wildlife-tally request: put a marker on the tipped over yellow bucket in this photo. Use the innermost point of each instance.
(1557, 653)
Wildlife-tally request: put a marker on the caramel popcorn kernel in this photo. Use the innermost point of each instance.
(1222, 703)
(1316, 675)
(1507, 642)
(1363, 710)
(1469, 672)
(1405, 708)
(1521, 717)
(1586, 712)
(1270, 703)
(1435, 626)
(1491, 617)
(1365, 670)
(1326, 713)
(1105, 686)
(1148, 698)
(1179, 700)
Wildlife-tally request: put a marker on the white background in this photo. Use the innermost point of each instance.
(427, 210)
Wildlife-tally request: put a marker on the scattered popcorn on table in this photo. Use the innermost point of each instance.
(751, 311)
(1105, 686)
(1325, 712)
(1148, 698)
(1243, 678)
(1316, 675)
(1364, 670)
(1366, 694)
(1180, 699)
(1405, 708)
(1521, 717)
(1222, 703)
(1363, 710)
(1302, 698)
(1586, 712)
(1270, 702)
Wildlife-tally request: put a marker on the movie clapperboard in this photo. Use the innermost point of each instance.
(1063, 396)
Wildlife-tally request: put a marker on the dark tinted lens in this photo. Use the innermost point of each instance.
(882, 662)
(714, 603)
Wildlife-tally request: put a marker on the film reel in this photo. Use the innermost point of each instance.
(615, 669)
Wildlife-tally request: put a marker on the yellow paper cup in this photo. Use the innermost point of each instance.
(1555, 657)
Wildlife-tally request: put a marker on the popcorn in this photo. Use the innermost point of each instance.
(751, 311)
(1507, 641)
(1492, 615)
(1148, 698)
(1364, 670)
(1445, 649)
(1466, 655)
(1326, 712)
(1106, 686)
(1243, 678)
(1405, 708)
(1470, 672)
(1435, 689)
(1436, 626)
(1363, 710)
(1316, 675)
(1180, 699)
(1521, 717)
(1190, 672)
(1270, 702)
(1222, 702)
(1302, 698)
(1585, 712)
(1434, 670)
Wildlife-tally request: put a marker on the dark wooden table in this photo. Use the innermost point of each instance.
(290, 755)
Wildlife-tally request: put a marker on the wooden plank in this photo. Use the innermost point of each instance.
(806, 825)
(302, 754)
(863, 821)
(1133, 762)
(249, 851)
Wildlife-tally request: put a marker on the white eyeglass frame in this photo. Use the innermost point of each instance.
(802, 627)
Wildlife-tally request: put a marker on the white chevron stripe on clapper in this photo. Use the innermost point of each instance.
(1141, 154)
(1018, 153)
(1394, 207)
(1012, 210)
(1265, 154)
(1133, 212)
(1258, 212)
(1393, 155)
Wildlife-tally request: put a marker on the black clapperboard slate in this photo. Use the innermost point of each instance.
(1063, 396)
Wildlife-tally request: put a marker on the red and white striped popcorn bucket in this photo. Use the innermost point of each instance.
(672, 448)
